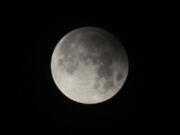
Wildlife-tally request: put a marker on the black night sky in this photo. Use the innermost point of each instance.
(35, 102)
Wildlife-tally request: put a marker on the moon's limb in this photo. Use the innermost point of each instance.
(89, 65)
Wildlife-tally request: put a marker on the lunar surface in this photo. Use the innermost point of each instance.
(89, 65)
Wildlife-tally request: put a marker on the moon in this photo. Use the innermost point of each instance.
(89, 65)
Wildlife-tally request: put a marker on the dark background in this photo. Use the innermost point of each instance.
(35, 102)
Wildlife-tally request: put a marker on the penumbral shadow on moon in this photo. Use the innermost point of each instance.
(93, 58)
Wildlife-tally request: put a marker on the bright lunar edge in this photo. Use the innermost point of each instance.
(89, 65)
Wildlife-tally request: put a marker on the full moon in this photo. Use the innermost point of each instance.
(89, 65)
